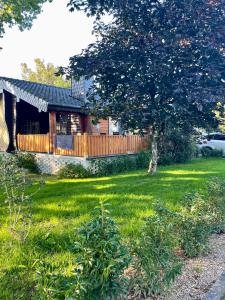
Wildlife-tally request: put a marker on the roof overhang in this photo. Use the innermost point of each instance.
(20, 94)
(58, 108)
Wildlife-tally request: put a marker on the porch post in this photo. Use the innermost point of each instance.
(52, 131)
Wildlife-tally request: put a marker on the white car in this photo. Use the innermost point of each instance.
(213, 141)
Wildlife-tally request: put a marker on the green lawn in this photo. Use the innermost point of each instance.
(62, 205)
(67, 203)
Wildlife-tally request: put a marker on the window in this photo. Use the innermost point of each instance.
(219, 137)
(67, 124)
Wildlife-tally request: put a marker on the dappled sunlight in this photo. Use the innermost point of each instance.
(105, 186)
(187, 172)
(181, 178)
(67, 203)
(83, 180)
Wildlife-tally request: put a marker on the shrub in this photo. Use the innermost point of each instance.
(156, 264)
(208, 152)
(142, 159)
(194, 225)
(101, 260)
(216, 203)
(72, 171)
(115, 165)
(27, 161)
(15, 183)
(176, 146)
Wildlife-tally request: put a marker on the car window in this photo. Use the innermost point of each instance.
(218, 137)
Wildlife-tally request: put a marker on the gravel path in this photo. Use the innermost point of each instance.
(200, 273)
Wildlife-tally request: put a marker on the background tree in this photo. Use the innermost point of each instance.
(44, 73)
(156, 63)
(19, 12)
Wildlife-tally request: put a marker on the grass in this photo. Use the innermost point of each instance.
(62, 205)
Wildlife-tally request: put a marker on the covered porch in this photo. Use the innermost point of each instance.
(84, 145)
(45, 119)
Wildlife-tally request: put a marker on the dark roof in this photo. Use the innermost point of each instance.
(42, 96)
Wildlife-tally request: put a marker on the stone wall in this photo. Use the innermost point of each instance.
(51, 164)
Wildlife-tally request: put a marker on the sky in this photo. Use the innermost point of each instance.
(56, 35)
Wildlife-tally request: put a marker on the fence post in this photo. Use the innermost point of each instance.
(52, 131)
(85, 141)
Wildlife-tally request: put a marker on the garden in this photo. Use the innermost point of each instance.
(130, 231)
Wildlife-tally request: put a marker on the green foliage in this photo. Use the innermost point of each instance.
(156, 264)
(18, 281)
(28, 162)
(194, 224)
(52, 281)
(116, 165)
(176, 146)
(19, 13)
(44, 73)
(15, 183)
(156, 83)
(101, 260)
(216, 203)
(142, 159)
(42, 267)
(72, 171)
(208, 152)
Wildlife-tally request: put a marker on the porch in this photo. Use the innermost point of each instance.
(83, 145)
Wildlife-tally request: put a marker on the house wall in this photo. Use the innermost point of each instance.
(4, 134)
(101, 128)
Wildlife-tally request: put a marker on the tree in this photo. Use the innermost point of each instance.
(158, 63)
(44, 73)
(19, 12)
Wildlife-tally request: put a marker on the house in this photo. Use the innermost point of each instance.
(46, 119)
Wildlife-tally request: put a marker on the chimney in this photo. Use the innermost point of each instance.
(81, 88)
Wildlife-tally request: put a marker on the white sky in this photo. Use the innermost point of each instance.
(55, 36)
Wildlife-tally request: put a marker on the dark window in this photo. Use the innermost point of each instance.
(219, 137)
(67, 123)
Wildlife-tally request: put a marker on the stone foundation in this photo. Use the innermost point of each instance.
(51, 164)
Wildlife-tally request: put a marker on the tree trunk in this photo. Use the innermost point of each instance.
(154, 160)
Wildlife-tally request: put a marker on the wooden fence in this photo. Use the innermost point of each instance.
(34, 143)
(86, 145)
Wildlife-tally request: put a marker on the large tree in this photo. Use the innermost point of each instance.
(156, 63)
(44, 73)
(19, 12)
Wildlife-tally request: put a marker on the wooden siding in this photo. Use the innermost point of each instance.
(86, 145)
(101, 128)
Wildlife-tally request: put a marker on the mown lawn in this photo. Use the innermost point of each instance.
(67, 203)
(62, 205)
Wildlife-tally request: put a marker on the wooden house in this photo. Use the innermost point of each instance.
(40, 118)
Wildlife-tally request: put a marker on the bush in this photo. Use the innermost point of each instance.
(156, 264)
(208, 152)
(176, 146)
(216, 203)
(72, 171)
(101, 260)
(15, 184)
(142, 159)
(194, 225)
(115, 165)
(28, 162)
